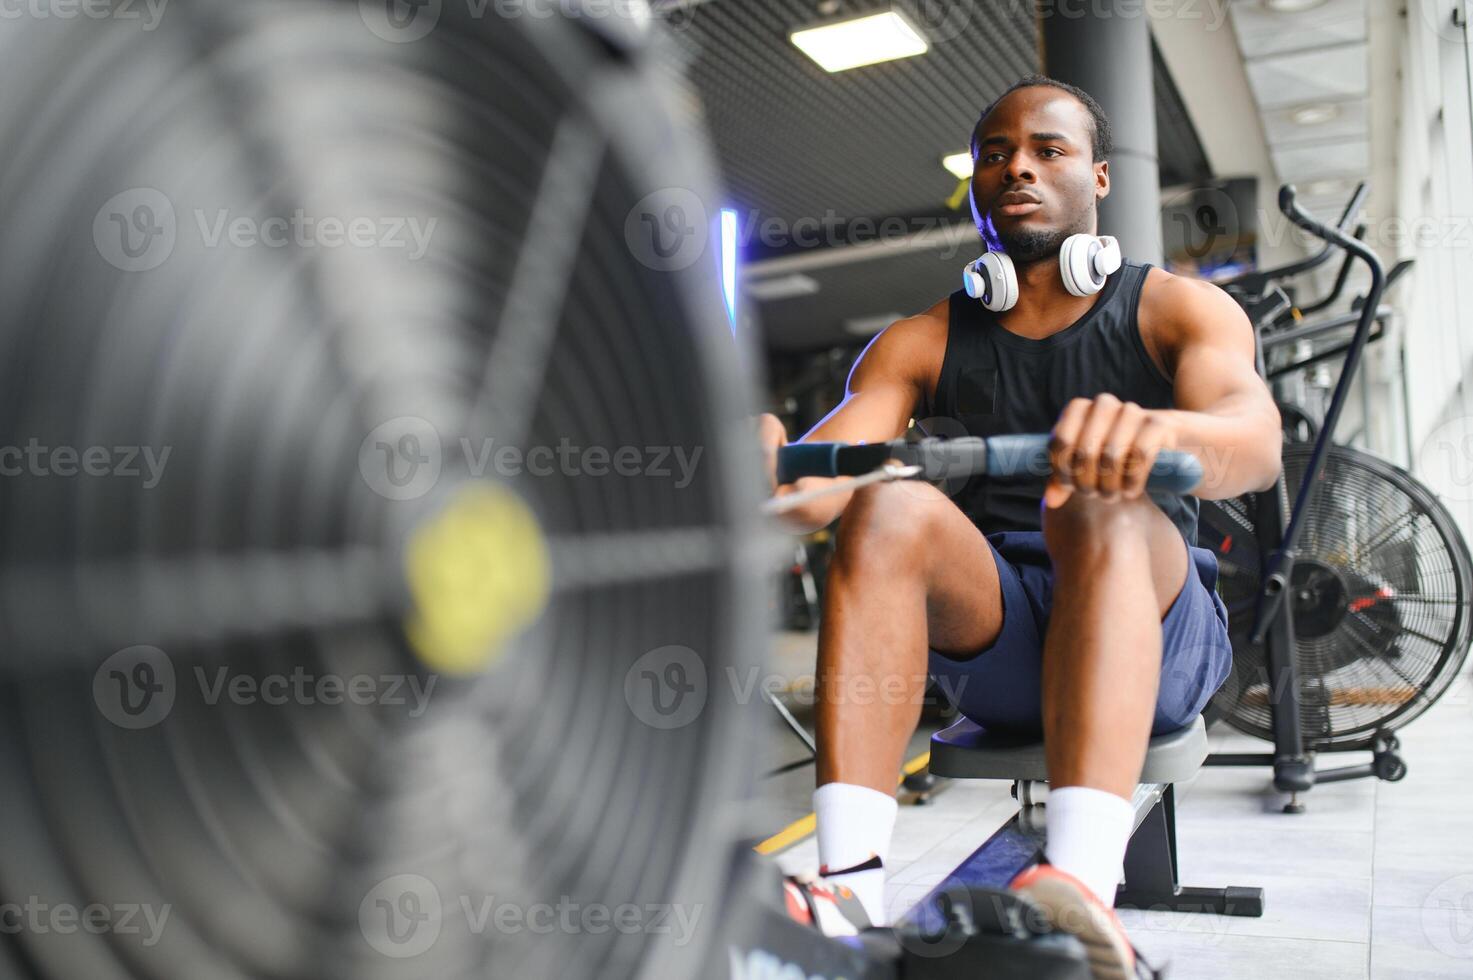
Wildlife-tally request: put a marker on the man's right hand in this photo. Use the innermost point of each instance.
(771, 435)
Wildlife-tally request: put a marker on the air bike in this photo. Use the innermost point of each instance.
(1347, 584)
(970, 925)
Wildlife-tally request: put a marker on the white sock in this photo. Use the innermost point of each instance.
(1088, 830)
(855, 823)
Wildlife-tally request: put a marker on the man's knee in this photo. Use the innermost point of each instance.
(889, 523)
(1096, 540)
(1088, 527)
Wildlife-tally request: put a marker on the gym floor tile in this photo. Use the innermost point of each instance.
(1335, 910)
(1401, 887)
(1433, 839)
(1423, 944)
(1233, 795)
(1234, 853)
(1192, 956)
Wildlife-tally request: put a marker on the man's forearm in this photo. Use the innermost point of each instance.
(820, 513)
(1239, 443)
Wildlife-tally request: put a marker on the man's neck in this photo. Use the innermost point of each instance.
(1044, 306)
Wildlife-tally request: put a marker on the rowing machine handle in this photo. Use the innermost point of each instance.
(1000, 456)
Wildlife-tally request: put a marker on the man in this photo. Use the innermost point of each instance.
(1076, 610)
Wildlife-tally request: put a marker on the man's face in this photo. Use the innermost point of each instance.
(1035, 181)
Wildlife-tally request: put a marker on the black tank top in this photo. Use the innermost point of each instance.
(996, 382)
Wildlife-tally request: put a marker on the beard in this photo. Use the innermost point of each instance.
(1026, 246)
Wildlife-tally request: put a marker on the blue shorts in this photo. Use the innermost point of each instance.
(1001, 687)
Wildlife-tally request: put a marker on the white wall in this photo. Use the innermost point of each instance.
(1435, 201)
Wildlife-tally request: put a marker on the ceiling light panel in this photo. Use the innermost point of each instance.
(860, 41)
(1262, 32)
(1352, 121)
(960, 164)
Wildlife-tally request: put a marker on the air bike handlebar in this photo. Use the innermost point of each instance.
(1340, 278)
(998, 457)
(1257, 282)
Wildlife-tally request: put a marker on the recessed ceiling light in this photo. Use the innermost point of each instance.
(781, 287)
(959, 164)
(1315, 114)
(860, 41)
(1328, 186)
(1292, 6)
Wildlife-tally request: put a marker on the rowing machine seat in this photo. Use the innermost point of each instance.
(966, 750)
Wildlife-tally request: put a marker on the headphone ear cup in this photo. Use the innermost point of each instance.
(1109, 261)
(993, 281)
(1077, 265)
(974, 279)
(1002, 277)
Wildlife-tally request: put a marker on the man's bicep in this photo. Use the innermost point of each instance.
(1206, 375)
(882, 392)
(874, 413)
(1217, 358)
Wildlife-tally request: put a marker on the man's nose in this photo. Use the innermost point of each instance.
(1019, 172)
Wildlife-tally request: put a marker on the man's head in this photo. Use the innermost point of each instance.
(1040, 166)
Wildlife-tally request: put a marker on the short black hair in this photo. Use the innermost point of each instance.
(1103, 142)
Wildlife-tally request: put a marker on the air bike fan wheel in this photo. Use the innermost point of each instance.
(1380, 596)
(303, 672)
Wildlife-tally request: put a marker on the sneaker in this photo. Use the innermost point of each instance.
(1071, 907)
(829, 906)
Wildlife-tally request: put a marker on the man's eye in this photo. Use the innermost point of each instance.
(1051, 152)
(993, 158)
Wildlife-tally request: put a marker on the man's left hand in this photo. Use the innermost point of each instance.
(1103, 447)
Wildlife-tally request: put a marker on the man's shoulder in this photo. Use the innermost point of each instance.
(1175, 309)
(929, 322)
(1170, 296)
(912, 348)
(919, 338)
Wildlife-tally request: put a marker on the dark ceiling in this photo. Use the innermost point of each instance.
(795, 142)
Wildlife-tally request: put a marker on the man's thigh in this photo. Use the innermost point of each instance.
(999, 683)
(912, 532)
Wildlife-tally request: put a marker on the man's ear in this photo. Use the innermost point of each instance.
(1102, 180)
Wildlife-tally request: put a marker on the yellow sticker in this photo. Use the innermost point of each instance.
(478, 574)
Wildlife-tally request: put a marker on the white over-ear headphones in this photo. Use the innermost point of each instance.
(1085, 263)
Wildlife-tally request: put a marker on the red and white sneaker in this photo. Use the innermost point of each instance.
(1072, 907)
(829, 906)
